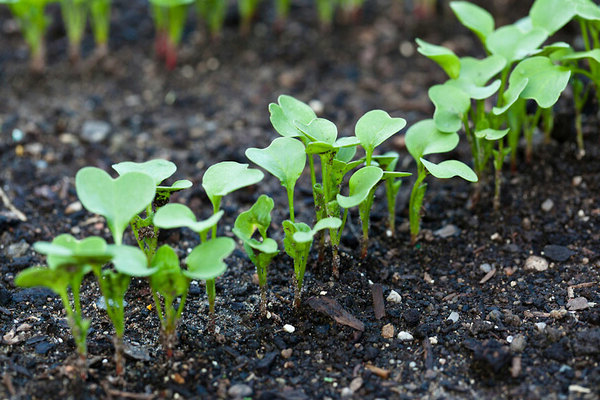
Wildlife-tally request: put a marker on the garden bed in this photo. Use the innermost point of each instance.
(483, 324)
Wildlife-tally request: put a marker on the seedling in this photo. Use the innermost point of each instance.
(326, 11)
(388, 162)
(213, 12)
(261, 251)
(247, 9)
(74, 13)
(179, 215)
(284, 158)
(145, 232)
(33, 23)
(424, 138)
(297, 243)
(100, 21)
(169, 19)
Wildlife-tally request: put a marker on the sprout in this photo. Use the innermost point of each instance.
(213, 12)
(169, 19)
(74, 13)
(100, 21)
(261, 251)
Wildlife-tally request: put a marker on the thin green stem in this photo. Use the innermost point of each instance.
(290, 195)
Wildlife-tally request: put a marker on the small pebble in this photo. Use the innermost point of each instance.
(536, 263)
(433, 340)
(387, 331)
(540, 326)
(547, 205)
(485, 267)
(578, 303)
(286, 353)
(577, 180)
(239, 391)
(317, 106)
(517, 345)
(95, 131)
(73, 207)
(557, 253)
(447, 231)
(289, 328)
(405, 336)
(394, 297)
(453, 316)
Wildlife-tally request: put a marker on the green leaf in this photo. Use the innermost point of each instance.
(345, 154)
(451, 105)
(302, 236)
(551, 15)
(375, 127)
(491, 134)
(593, 54)
(514, 43)
(443, 56)
(474, 74)
(360, 184)
(206, 260)
(258, 217)
(177, 215)
(168, 278)
(285, 158)
(178, 185)
(228, 176)
(158, 169)
(130, 260)
(319, 130)
(170, 3)
(117, 200)
(424, 138)
(293, 248)
(587, 10)
(56, 280)
(66, 250)
(478, 20)
(535, 78)
(395, 174)
(285, 114)
(449, 169)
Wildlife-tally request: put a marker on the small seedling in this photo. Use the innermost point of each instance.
(388, 162)
(100, 21)
(247, 9)
(297, 243)
(33, 23)
(261, 251)
(169, 19)
(213, 12)
(424, 138)
(284, 158)
(74, 13)
(145, 232)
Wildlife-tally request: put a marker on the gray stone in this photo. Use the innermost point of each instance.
(239, 391)
(453, 316)
(557, 253)
(447, 231)
(17, 249)
(95, 131)
(536, 263)
(485, 267)
(547, 205)
(518, 344)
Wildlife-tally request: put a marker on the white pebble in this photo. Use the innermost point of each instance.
(289, 328)
(317, 106)
(453, 316)
(433, 340)
(405, 336)
(536, 263)
(547, 205)
(541, 326)
(394, 297)
(509, 339)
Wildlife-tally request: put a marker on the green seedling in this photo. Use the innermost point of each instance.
(362, 184)
(326, 11)
(33, 23)
(74, 13)
(178, 215)
(424, 138)
(388, 162)
(205, 262)
(100, 21)
(169, 19)
(262, 250)
(247, 9)
(145, 232)
(499, 153)
(92, 254)
(118, 200)
(297, 243)
(284, 158)
(213, 12)
(282, 10)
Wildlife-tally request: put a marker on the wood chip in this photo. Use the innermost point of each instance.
(427, 354)
(332, 308)
(515, 369)
(488, 276)
(378, 304)
(380, 372)
(387, 331)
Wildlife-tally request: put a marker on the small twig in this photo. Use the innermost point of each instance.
(488, 276)
(10, 206)
(427, 354)
(7, 380)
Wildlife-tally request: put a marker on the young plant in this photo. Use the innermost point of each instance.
(247, 9)
(424, 138)
(178, 215)
(260, 251)
(33, 23)
(388, 162)
(326, 11)
(297, 243)
(169, 19)
(100, 21)
(145, 232)
(213, 12)
(74, 13)
(284, 158)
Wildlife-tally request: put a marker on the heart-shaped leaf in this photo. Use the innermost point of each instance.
(177, 215)
(536, 78)
(474, 74)
(56, 280)
(258, 217)
(228, 176)
(66, 250)
(478, 20)
(449, 169)
(360, 184)
(443, 56)
(285, 158)
(319, 130)
(302, 236)
(451, 105)
(285, 114)
(424, 138)
(168, 279)
(593, 54)
(177, 185)
(117, 200)
(491, 134)
(374, 128)
(130, 260)
(545, 14)
(514, 43)
(158, 169)
(206, 260)
(587, 10)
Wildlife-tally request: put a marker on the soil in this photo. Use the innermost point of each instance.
(481, 324)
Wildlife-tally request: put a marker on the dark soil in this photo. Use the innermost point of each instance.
(483, 325)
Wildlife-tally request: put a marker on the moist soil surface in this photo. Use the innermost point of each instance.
(470, 319)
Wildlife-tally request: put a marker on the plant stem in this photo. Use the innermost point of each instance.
(211, 294)
(290, 195)
(415, 203)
